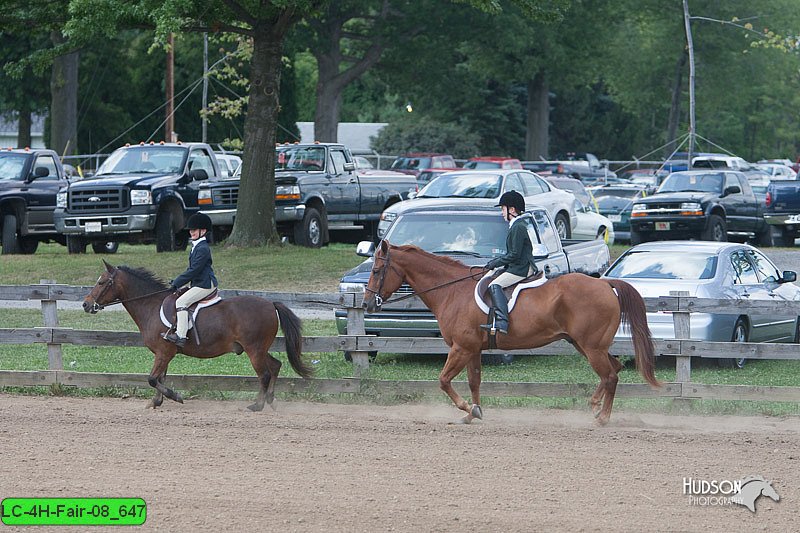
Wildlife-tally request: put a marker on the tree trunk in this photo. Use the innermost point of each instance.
(255, 212)
(64, 101)
(329, 100)
(537, 136)
(24, 128)
(675, 107)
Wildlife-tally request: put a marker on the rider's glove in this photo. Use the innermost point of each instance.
(491, 265)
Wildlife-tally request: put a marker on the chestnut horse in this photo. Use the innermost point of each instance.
(583, 310)
(239, 324)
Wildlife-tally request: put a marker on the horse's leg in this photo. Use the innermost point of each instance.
(606, 367)
(457, 359)
(595, 400)
(266, 368)
(474, 378)
(159, 370)
(157, 398)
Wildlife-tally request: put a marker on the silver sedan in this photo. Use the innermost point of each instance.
(718, 270)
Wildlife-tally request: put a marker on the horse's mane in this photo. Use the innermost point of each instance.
(147, 280)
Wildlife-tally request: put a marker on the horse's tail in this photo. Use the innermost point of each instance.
(633, 317)
(292, 334)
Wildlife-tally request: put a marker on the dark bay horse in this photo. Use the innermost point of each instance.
(583, 310)
(239, 324)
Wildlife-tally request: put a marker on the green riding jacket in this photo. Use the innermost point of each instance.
(519, 251)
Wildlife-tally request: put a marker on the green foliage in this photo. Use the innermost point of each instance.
(423, 134)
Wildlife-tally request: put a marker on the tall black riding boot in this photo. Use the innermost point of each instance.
(500, 307)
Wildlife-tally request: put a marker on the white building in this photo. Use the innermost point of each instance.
(8, 132)
(354, 135)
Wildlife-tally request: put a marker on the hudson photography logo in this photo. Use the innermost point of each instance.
(713, 492)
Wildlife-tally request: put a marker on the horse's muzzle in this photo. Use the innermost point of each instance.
(91, 307)
(372, 305)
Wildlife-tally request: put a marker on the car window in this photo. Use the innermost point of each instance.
(685, 181)
(532, 185)
(463, 186)
(201, 159)
(743, 269)
(11, 166)
(338, 159)
(651, 264)
(472, 233)
(731, 180)
(763, 266)
(49, 163)
(513, 183)
(547, 232)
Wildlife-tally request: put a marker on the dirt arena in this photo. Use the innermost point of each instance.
(214, 466)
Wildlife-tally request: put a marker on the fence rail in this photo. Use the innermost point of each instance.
(359, 345)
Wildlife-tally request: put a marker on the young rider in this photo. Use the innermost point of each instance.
(518, 260)
(200, 274)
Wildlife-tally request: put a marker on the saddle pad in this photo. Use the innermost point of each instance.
(200, 305)
(483, 285)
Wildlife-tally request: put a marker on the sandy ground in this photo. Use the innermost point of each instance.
(214, 466)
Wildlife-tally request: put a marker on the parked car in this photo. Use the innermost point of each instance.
(651, 178)
(484, 187)
(712, 270)
(228, 163)
(591, 224)
(712, 205)
(362, 163)
(782, 210)
(778, 171)
(489, 162)
(473, 234)
(615, 202)
(426, 176)
(544, 168)
(416, 162)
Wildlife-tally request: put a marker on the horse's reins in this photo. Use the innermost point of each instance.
(386, 264)
(98, 307)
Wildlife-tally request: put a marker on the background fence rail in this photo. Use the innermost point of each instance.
(360, 344)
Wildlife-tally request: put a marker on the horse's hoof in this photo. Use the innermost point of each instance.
(477, 412)
(461, 421)
(178, 398)
(256, 407)
(152, 404)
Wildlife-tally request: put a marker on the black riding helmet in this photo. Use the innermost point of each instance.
(199, 221)
(512, 199)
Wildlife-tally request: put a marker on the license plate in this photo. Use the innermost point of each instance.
(662, 226)
(615, 218)
(93, 227)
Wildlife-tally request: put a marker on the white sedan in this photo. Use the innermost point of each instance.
(486, 186)
(592, 225)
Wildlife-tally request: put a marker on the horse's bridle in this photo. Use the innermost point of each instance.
(97, 307)
(386, 265)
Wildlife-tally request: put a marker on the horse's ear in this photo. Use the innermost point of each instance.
(109, 268)
(385, 246)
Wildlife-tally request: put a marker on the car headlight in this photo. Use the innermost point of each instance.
(638, 210)
(388, 216)
(351, 287)
(690, 206)
(287, 192)
(139, 197)
(61, 200)
(204, 197)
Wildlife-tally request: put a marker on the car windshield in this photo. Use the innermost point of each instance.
(619, 193)
(11, 166)
(463, 186)
(656, 264)
(144, 160)
(685, 182)
(300, 158)
(411, 163)
(466, 233)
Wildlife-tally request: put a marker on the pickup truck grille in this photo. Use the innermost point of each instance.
(405, 288)
(98, 200)
(664, 205)
(226, 196)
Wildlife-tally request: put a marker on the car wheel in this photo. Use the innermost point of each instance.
(766, 237)
(739, 335)
(601, 233)
(787, 238)
(636, 237)
(28, 245)
(10, 237)
(165, 232)
(797, 331)
(348, 356)
(716, 230)
(562, 226)
(110, 247)
(309, 231)
(75, 244)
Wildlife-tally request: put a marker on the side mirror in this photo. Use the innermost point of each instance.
(733, 189)
(788, 276)
(365, 249)
(349, 167)
(198, 174)
(39, 172)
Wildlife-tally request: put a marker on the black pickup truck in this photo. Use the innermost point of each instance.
(29, 181)
(141, 194)
(317, 190)
(782, 210)
(711, 205)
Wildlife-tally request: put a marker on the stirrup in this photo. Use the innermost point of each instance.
(490, 328)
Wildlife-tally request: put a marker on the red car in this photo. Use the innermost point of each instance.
(492, 162)
(414, 163)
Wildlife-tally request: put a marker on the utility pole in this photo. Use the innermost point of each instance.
(205, 85)
(169, 125)
(690, 44)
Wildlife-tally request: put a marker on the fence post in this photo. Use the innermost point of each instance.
(682, 323)
(355, 326)
(50, 314)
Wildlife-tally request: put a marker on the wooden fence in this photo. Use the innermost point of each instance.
(359, 345)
